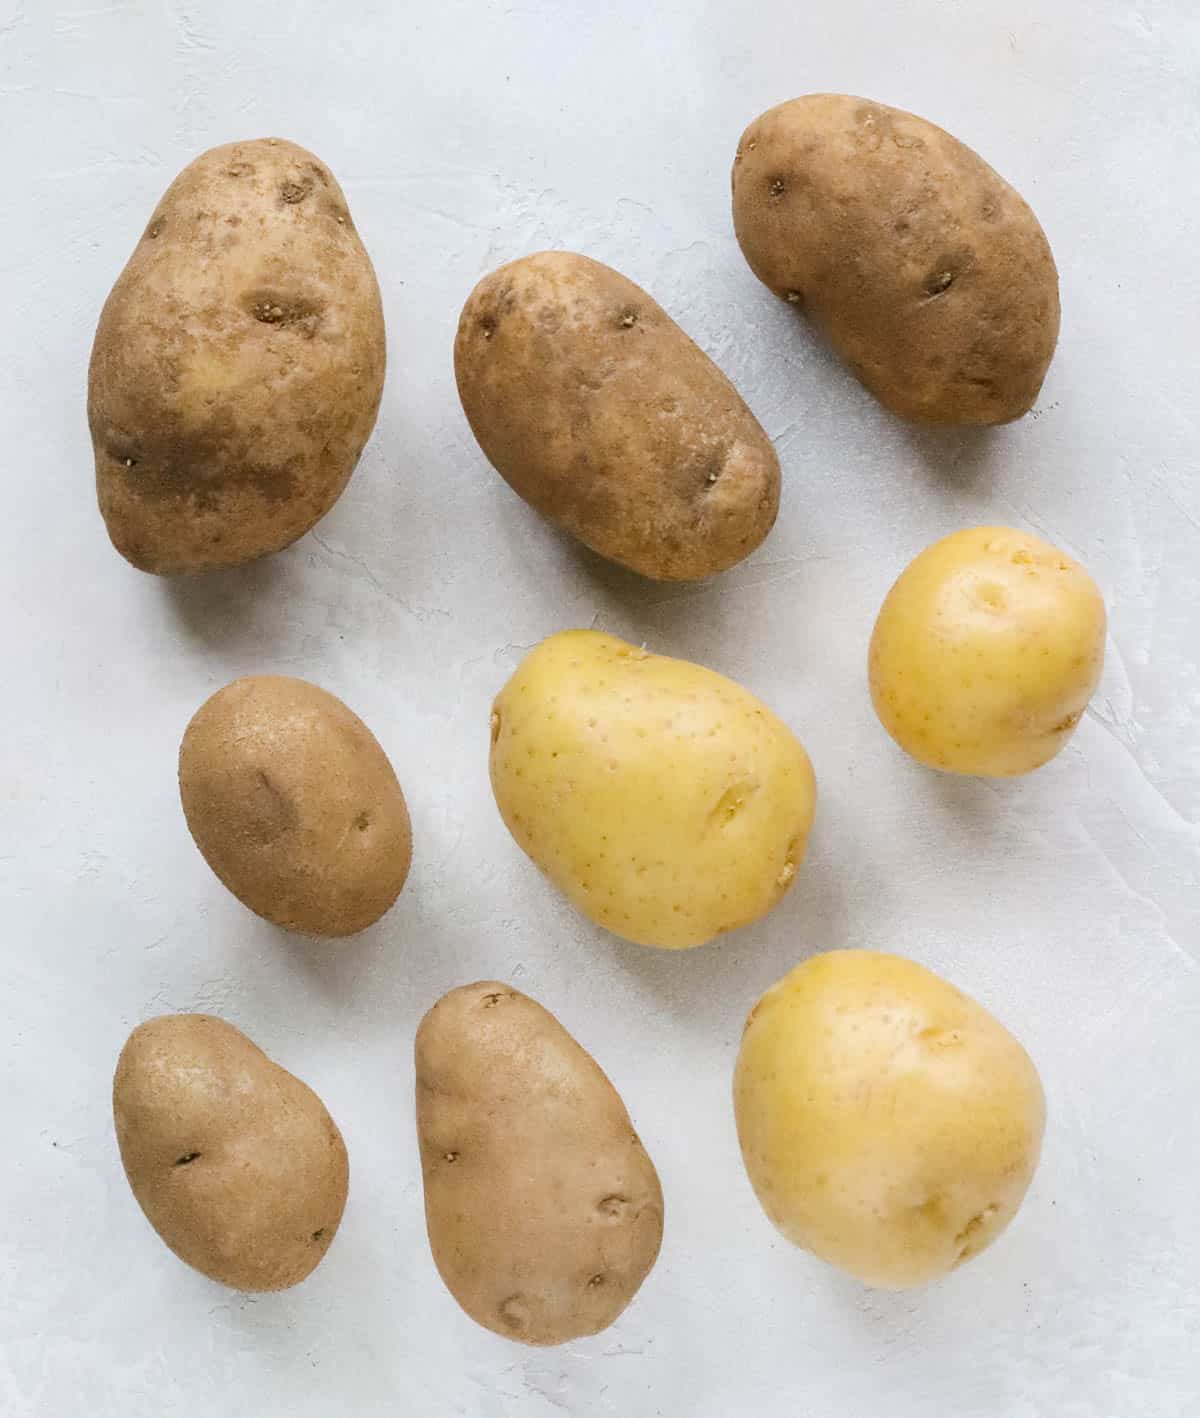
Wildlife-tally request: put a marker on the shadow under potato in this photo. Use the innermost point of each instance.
(713, 987)
(227, 608)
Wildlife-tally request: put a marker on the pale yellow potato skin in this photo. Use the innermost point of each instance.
(544, 1212)
(889, 1124)
(238, 363)
(295, 806)
(665, 801)
(236, 1164)
(986, 652)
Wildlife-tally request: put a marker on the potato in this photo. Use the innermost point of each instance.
(238, 363)
(544, 1212)
(986, 652)
(598, 410)
(888, 1123)
(667, 802)
(927, 272)
(236, 1164)
(295, 806)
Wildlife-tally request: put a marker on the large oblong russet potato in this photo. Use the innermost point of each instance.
(236, 1164)
(544, 1212)
(929, 274)
(238, 363)
(295, 806)
(595, 407)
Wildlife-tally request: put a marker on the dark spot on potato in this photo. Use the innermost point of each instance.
(186, 1159)
(272, 812)
(794, 297)
(240, 169)
(154, 230)
(938, 282)
(629, 318)
(495, 725)
(449, 1156)
(363, 821)
(1065, 725)
(318, 1233)
(776, 188)
(514, 1312)
(596, 1281)
(613, 1207)
(291, 312)
(487, 326)
(293, 192)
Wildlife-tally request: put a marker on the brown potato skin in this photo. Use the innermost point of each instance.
(597, 409)
(543, 1210)
(295, 806)
(236, 1164)
(928, 273)
(238, 363)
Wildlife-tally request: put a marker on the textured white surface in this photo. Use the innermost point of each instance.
(466, 134)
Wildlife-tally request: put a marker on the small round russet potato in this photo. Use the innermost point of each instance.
(544, 1212)
(889, 1124)
(986, 652)
(236, 1164)
(295, 806)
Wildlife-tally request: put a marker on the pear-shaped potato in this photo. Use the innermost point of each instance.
(237, 1165)
(295, 806)
(889, 1124)
(544, 1212)
(667, 802)
(593, 405)
(928, 273)
(238, 364)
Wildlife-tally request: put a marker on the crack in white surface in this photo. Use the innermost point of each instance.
(421, 613)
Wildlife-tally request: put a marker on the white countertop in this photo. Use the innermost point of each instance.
(466, 134)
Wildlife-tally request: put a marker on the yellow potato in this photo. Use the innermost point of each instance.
(928, 273)
(544, 1212)
(238, 363)
(888, 1123)
(665, 801)
(237, 1165)
(986, 652)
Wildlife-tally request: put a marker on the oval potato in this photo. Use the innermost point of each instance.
(928, 273)
(295, 806)
(601, 413)
(238, 364)
(544, 1212)
(986, 652)
(236, 1164)
(666, 801)
(888, 1123)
